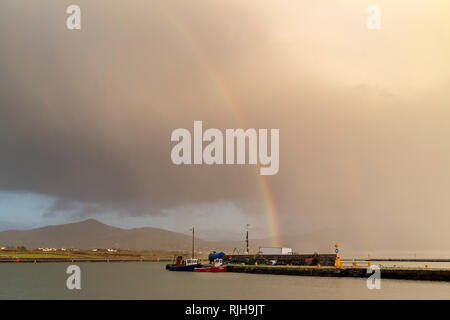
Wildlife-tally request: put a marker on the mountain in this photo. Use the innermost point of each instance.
(94, 234)
(352, 241)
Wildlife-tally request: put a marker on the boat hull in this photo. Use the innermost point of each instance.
(211, 269)
(181, 267)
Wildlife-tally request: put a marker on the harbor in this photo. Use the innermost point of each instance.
(136, 280)
(285, 261)
(296, 267)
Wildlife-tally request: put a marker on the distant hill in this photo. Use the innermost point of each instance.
(91, 234)
(94, 234)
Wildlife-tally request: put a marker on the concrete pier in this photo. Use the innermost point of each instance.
(429, 274)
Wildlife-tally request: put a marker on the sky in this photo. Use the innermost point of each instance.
(86, 115)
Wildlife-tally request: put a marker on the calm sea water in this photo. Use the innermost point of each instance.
(152, 281)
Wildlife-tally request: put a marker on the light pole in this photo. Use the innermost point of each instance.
(193, 242)
(246, 238)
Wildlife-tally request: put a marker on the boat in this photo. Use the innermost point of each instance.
(217, 267)
(184, 265)
(211, 269)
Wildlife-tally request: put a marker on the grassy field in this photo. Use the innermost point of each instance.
(40, 255)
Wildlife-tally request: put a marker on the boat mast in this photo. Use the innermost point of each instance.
(192, 242)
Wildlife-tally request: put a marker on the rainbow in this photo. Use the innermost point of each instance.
(225, 92)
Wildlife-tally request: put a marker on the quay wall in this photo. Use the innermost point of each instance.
(429, 274)
(291, 259)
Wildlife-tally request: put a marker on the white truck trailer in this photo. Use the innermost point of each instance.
(274, 251)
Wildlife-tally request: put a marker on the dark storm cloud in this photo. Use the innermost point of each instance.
(86, 117)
